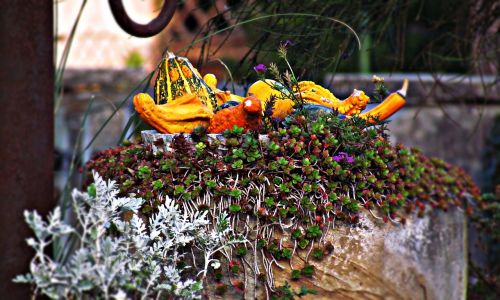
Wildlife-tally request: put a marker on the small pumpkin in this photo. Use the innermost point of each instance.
(247, 115)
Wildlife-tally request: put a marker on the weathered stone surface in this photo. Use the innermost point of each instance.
(424, 259)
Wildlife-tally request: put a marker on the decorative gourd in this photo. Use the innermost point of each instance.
(185, 100)
(247, 115)
(264, 90)
(181, 115)
(312, 87)
(211, 81)
(388, 107)
(353, 104)
(311, 93)
(222, 96)
(282, 108)
(177, 77)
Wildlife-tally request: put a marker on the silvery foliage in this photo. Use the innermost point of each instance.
(139, 259)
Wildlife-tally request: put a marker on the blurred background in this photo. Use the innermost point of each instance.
(448, 49)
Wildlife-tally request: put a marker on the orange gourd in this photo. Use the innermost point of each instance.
(247, 115)
(388, 107)
(181, 115)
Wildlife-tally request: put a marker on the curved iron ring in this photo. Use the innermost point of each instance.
(143, 30)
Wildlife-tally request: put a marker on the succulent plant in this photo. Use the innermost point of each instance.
(307, 176)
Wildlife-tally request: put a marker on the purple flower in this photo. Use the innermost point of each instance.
(342, 156)
(260, 68)
(287, 43)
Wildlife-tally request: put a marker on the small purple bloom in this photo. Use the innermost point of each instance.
(342, 156)
(260, 68)
(287, 43)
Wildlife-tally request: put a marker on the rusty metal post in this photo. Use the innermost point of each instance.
(26, 131)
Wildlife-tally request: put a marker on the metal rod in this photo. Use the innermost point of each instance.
(143, 30)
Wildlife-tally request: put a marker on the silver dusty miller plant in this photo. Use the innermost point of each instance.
(116, 255)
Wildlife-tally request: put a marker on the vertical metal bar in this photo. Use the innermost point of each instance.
(26, 130)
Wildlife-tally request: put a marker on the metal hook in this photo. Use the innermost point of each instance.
(143, 30)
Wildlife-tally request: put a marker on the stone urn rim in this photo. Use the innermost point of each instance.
(155, 132)
(150, 136)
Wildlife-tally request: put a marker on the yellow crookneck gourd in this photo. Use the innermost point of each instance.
(181, 115)
(310, 93)
(315, 94)
(264, 90)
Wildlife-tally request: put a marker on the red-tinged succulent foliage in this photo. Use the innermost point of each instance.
(310, 174)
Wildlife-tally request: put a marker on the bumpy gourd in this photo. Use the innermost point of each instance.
(181, 115)
(312, 87)
(352, 105)
(177, 77)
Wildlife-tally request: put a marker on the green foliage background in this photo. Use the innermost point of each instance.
(396, 35)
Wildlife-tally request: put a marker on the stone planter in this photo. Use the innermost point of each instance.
(424, 259)
(150, 136)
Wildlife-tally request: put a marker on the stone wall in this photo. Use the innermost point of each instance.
(454, 133)
(105, 90)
